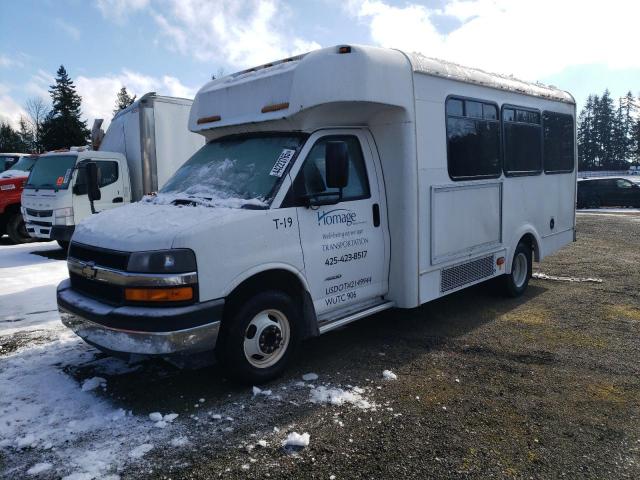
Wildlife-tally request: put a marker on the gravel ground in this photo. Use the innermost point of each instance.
(544, 386)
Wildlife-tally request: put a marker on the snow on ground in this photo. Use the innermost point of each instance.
(28, 284)
(57, 422)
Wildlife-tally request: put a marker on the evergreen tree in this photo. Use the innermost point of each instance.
(63, 127)
(603, 131)
(123, 100)
(586, 137)
(10, 141)
(26, 136)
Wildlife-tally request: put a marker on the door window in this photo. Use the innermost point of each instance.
(311, 178)
(623, 183)
(107, 172)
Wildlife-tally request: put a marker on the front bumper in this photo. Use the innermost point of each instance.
(62, 233)
(141, 330)
(38, 229)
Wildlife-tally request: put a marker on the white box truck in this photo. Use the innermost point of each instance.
(143, 146)
(333, 185)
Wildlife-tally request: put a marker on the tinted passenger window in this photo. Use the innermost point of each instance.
(558, 142)
(473, 139)
(311, 178)
(624, 183)
(522, 142)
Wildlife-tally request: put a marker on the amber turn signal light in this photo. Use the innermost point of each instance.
(173, 294)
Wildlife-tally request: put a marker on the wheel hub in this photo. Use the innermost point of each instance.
(270, 339)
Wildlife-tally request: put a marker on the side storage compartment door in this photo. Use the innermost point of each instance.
(344, 245)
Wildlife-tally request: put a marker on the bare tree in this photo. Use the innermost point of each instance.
(37, 110)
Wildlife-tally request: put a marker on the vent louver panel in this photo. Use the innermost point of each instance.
(466, 273)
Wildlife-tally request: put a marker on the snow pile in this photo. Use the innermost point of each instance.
(544, 276)
(294, 439)
(39, 468)
(389, 375)
(160, 420)
(141, 450)
(257, 391)
(338, 396)
(310, 377)
(93, 383)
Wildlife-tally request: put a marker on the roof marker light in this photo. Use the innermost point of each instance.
(344, 49)
(275, 107)
(211, 119)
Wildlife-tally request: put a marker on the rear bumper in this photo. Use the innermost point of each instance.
(141, 330)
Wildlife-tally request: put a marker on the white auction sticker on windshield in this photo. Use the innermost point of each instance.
(67, 175)
(281, 163)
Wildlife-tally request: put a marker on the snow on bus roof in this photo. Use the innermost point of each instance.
(453, 71)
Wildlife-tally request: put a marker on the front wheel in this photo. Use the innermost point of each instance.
(17, 230)
(259, 337)
(516, 282)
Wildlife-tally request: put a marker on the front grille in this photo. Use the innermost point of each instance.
(466, 273)
(41, 224)
(100, 256)
(39, 213)
(105, 292)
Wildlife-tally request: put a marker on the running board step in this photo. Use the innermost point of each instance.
(355, 316)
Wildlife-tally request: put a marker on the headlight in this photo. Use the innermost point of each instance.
(63, 212)
(63, 216)
(163, 261)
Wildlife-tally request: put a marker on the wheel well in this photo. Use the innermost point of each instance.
(530, 240)
(277, 279)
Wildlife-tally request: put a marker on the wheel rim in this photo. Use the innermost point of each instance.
(266, 338)
(519, 270)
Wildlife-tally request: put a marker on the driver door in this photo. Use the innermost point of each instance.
(345, 244)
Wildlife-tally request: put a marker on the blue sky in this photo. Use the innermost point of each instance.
(174, 46)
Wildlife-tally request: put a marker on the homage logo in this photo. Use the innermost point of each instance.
(336, 217)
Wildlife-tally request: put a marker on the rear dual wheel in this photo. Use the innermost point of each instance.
(258, 338)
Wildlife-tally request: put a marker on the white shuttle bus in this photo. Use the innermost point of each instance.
(332, 186)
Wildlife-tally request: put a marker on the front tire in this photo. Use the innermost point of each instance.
(516, 282)
(17, 230)
(259, 337)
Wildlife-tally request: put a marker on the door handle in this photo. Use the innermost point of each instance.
(118, 200)
(376, 215)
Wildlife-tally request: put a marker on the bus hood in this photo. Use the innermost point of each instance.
(147, 226)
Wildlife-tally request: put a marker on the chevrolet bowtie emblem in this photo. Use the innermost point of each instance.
(88, 271)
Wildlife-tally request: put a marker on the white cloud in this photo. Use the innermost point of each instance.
(6, 62)
(531, 39)
(119, 10)
(99, 93)
(10, 110)
(239, 33)
(72, 31)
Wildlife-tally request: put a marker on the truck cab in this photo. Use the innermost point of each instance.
(55, 195)
(11, 184)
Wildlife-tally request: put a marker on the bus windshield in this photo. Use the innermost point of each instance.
(52, 172)
(235, 171)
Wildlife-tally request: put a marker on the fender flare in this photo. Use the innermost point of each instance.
(526, 229)
(265, 267)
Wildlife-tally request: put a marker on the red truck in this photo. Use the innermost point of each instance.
(11, 185)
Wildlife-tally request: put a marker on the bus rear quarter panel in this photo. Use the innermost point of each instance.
(489, 216)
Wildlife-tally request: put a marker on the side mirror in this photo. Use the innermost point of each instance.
(92, 181)
(336, 160)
